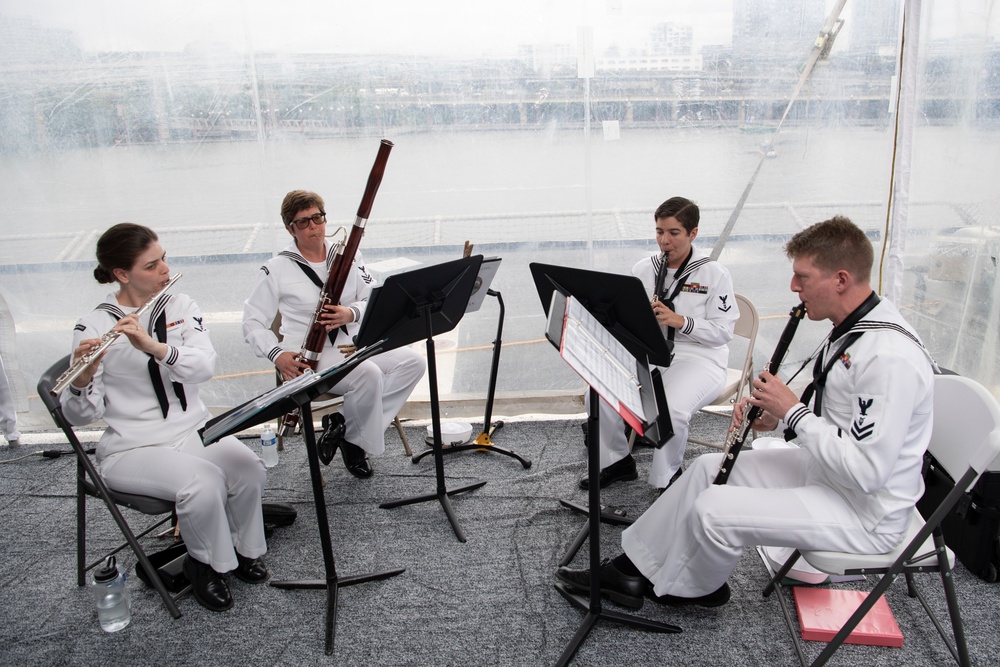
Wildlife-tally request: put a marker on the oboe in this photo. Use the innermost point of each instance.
(734, 443)
(344, 252)
(73, 372)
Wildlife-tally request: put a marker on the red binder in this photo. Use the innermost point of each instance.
(823, 612)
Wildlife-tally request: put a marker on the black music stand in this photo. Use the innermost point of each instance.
(573, 282)
(417, 305)
(619, 302)
(299, 394)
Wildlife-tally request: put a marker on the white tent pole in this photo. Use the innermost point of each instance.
(890, 276)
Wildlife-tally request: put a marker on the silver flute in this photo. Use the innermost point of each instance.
(73, 372)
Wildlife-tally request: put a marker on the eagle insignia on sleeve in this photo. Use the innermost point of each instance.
(867, 410)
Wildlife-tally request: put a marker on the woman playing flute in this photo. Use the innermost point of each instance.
(145, 387)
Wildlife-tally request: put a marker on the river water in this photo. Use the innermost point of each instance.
(545, 195)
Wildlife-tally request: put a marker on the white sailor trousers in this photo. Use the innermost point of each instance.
(691, 539)
(375, 392)
(689, 384)
(217, 489)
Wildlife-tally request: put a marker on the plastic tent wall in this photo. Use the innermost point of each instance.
(537, 131)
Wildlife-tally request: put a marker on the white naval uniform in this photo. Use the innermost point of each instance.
(217, 488)
(697, 373)
(849, 487)
(376, 390)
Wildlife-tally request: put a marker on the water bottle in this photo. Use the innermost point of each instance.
(269, 448)
(113, 610)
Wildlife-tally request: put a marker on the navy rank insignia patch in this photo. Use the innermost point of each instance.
(867, 410)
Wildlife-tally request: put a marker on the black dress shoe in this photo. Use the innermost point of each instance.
(673, 479)
(208, 586)
(331, 437)
(619, 470)
(714, 599)
(626, 590)
(355, 460)
(250, 570)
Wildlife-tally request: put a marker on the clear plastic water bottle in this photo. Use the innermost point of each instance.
(269, 448)
(113, 609)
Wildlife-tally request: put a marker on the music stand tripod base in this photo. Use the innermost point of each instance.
(332, 582)
(482, 443)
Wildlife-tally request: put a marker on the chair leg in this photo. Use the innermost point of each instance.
(948, 581)
(775, 584)
(402, 436)
(81, 529)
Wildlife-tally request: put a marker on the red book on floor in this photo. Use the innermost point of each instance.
(823, 612)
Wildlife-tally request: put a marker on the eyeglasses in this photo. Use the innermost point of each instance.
(303, 223)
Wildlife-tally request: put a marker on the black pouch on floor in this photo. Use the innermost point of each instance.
(278, 515)
(169, 564)
(972, 530)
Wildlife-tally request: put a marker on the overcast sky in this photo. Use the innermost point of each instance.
(453, 27)
(404, 26)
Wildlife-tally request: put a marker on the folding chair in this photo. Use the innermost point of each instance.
(90, 483)
(965, 441)
(326, 403)
(737, 379)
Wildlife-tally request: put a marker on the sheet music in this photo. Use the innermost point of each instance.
(600, 359)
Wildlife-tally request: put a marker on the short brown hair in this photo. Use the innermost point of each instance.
(299, 200)
(833, 245)
(681, 209)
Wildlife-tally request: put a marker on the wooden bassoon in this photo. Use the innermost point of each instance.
(344, 252)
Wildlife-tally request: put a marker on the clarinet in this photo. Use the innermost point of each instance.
(735, 440)
(333, 288)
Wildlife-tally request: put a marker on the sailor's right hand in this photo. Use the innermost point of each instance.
(289, 365)
(87, 376)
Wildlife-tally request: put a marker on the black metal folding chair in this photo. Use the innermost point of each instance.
(90, 483)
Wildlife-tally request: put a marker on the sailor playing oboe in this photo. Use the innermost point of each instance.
(145, 387)
(290, 284)
(862, 428)
(693, 300)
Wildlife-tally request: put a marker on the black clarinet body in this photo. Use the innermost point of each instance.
(738, 436)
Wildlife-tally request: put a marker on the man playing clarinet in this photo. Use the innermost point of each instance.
(289, 284)
(853, 480)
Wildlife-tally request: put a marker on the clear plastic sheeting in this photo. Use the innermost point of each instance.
(510, 132)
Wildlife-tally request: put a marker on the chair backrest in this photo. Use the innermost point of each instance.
(45, 384)
(746, 327)
(966, 417)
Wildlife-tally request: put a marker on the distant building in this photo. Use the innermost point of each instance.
(649, 63)
(766, 29)
(25, 40)
(672, 39)
(874, 28)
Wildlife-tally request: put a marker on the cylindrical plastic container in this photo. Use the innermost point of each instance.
(269, 448)
(113, 609)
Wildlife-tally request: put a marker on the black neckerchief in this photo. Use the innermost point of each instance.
(661, 278)
(158, 328)
(821, 369)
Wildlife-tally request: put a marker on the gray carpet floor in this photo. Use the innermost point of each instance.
(489, 601)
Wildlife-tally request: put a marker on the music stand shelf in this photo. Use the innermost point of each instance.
(299, 394)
